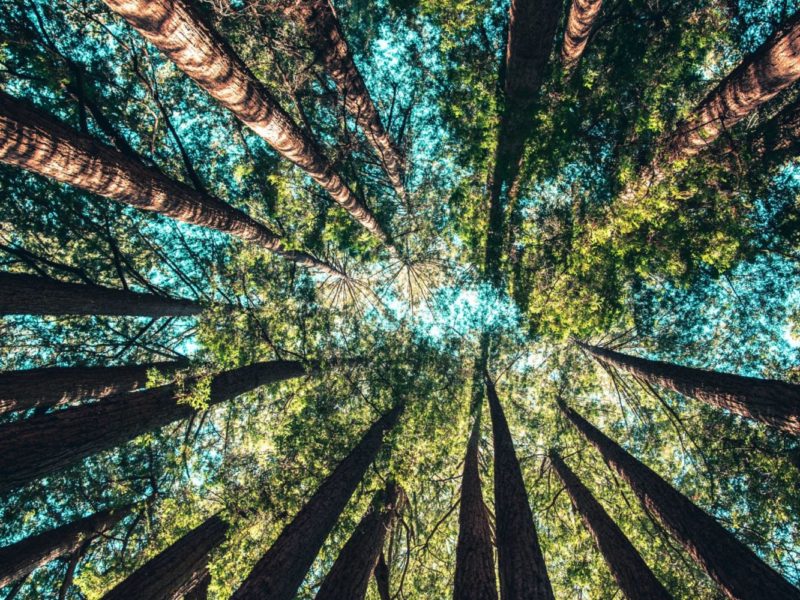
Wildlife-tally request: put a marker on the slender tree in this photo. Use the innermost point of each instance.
(175, 28)
(21, 558)
(776, 403)
(281, 570)
(45, 444)
(34, 140)
(523, 574)
(631, 573)
(382, 578)
(582, 16)
(739, 572)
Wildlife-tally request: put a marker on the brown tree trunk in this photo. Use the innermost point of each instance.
(281, 570)
(45, 444)
(350, 573)
(19, 559)
(199, 591)
(631, 573)
(55, 386)
(382, 578)
(23, 294)
(177, 569)
(523, 574)
(328, 42)
(739, 572)
(582, 15)
(33, 140)
(779, 138)
(175, 28)
(776, 403)
(474, 577)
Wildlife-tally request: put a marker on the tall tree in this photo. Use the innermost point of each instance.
(776, 403)
(523, 574)
(21, 558)
(177, 30)
(582, 16)
(281, 570)
(738, 571)
(382, 578)
(42, 445)
(631, 573)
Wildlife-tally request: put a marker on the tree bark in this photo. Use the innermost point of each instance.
(175, 28)
(199, 591)
(523, 574)
(45, 444)
(739, 572)
(776, 403)
(176, 570)
(34, 140)
(281, 570)
(23, 294)
(779, 138)
(350, 573)
(21, 558)
(582, 16)
(382, 578)
(56, 386)
(631, 573)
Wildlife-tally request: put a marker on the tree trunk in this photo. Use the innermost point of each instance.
(55, 386)
(33, 140)
(382, 578)
(474, 577)
(582, 15)
(281, 570)
(177, 569)
(776, 403)
(328, 42)
(350, 573)
(523, 574)
(21, 558)
(631, 573)
(23, 294)
(200, 591)
(175, 28)
(45, 444)
(739, 572)
(779, 138)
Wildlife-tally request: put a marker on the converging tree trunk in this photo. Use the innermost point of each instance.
(776, 403)
(739, 572)
(21, 558)
(175, 28)
(631, 573)
(582, 16)
(176, 570)
(523, 574)
(34, 140)
(45, 444)
(281, 570)
(23, 294)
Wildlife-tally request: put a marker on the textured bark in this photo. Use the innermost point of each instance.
(281, 570)
(55, 386)
(23, 294)
(21, 558)
(582, 16)
(42, 445)
(328, 42)
(176, 570)
(474, 577)
(33, 140)
(523, 574)
(175, 28)
(382, 578)
(199, 591)
(739, 572)
(350, 573)
(631, 573)
(776, 403)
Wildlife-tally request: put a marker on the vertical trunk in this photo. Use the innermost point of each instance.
(176, 570)
(19, 559)
(776, 403)
(474, 577)
(22, 294)
(33, 140)
(42, 445)
(582, 15)
(523, 574)
(350, 573)
(382, 578)
(739, 572)
(55, 386)
(632, 574)
(281, 570)
(176, 29)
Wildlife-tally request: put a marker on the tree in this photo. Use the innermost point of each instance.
(582, 16)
